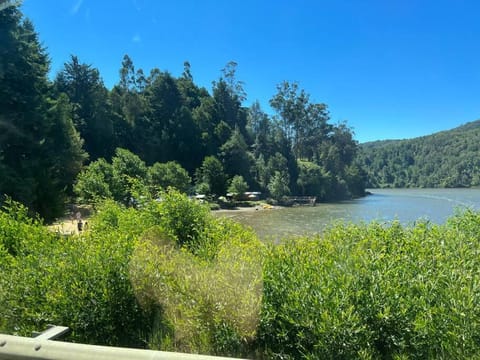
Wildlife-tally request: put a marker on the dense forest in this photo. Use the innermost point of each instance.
(444, 159)
(54, 130)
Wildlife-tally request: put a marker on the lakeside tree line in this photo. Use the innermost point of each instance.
(444, 159)
(51, 130)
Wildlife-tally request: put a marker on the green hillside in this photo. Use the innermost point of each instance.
(444, 159)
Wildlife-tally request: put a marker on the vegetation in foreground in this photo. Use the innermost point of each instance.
(170, 276)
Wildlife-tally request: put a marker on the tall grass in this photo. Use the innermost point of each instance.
(209, 305)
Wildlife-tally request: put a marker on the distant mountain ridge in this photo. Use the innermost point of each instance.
(448, 158)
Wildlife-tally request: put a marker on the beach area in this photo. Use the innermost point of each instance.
(69, 226)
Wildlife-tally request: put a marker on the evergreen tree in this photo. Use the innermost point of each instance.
(235, 156)
(90, 111)
(40, 151)
(129, 108)
(205, 119)
(171, 129)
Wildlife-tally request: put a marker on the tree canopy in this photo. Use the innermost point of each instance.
(40, 149)
(168, 129)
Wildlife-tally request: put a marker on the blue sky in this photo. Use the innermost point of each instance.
(391, 68)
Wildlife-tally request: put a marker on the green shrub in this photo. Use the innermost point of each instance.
(238, 186)
(183, 219)
(16, 229)
(214, 206)
(130, 279)
(375, 291)
(81, 282)
(170, 174)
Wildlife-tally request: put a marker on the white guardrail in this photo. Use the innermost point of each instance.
(43, 347)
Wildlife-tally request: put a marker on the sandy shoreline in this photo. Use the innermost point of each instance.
(66, 227)
(69, 226)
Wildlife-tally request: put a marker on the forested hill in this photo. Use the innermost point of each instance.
(444, 159)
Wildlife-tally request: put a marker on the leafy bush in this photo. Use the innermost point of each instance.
(238, 186)
(312, 179)
(210, 178)
(95, 182)
(204, 273)
(16, 229)
(214, 206)
(375, 291)
(183, 219)
(168, 174)
(81, 282)
(278, 186)
(85, 282)
(101, 180)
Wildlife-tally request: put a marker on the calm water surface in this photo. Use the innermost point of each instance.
(384, 205)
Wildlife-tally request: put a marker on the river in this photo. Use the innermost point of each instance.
(384, 205)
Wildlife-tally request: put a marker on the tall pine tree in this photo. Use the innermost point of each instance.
(40, 151)
(91, 112)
